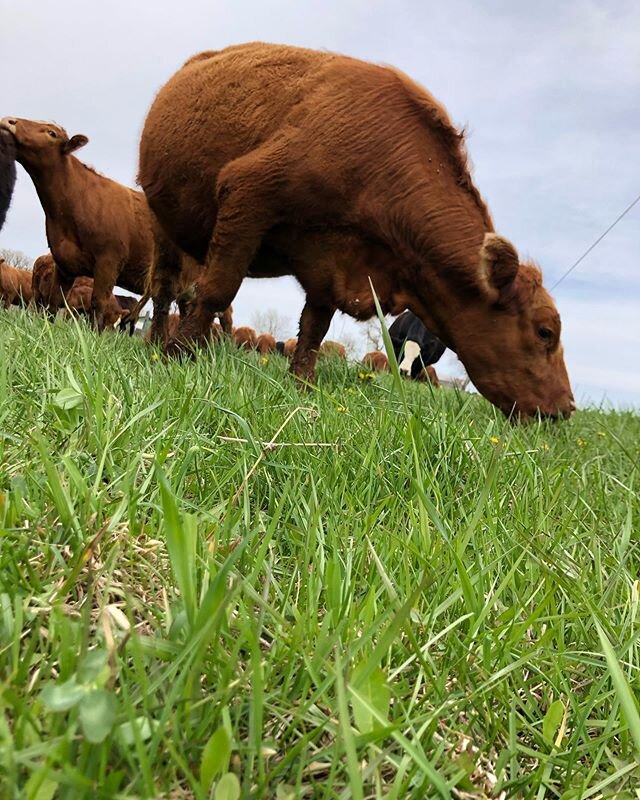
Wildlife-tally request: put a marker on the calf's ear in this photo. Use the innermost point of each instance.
(498, 261)
(74, 143)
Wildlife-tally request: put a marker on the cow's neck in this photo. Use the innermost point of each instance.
(62, 190)
(440, 243)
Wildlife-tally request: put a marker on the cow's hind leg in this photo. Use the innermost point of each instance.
(314, 324)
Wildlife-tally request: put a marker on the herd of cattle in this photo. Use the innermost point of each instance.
(265, 160)
(415, 348)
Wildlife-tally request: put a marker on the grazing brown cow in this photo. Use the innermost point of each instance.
(244, 337)
(95, 226)
(264, 160)
(15, 285)
(429, 375)
(330, 348)
(7, 173)
(376, 361)
(78, 299)
(266, 343)
(289, 348)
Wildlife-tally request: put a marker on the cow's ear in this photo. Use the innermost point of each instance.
(74, 143)
(498, 261)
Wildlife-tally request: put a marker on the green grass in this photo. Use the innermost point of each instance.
(402, 597)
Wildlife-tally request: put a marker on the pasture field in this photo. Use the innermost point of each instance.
(401, 596)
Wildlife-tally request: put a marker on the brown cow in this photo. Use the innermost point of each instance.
(289, 348)
(245, 337)
(95, 226)
(429, 375)
(264, 160)
(15, 285)
(78, 298)
(330, 348)
(7, 174)
(377, 361)
(266, 343)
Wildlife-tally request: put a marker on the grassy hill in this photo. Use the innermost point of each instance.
(214, 585)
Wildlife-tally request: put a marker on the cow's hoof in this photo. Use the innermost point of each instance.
(181, 350)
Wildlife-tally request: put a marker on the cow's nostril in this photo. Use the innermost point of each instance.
(12, 121)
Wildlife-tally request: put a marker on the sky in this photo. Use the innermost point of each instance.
(549, 94)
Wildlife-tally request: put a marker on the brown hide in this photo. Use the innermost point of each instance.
(95, 226)
(47, 293)
(266, 343)
(15, 285)
(245, 338)
(429, 375)
(329, 348)
(264, 160)
(376, 361)
(290, 348)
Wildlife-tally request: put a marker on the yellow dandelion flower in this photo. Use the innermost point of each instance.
(580, 442)
(341, 409)
(264, 360)
(494, 439)
(366, 376)
(154, 356)
(602, 433)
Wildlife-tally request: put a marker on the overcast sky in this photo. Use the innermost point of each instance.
(549, 92)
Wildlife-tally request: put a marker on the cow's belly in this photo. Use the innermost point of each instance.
(336, 267)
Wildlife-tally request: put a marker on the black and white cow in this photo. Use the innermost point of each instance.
(7, 174)
(412, 342)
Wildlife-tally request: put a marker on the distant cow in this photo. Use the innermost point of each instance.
(245, 337)
(287, 348)
(48, 295)
(428, 375)
(376, 361)
(95, 226)
(7, 173)
(15, 285)
(266, 343)
(330, 348)
(415, 344)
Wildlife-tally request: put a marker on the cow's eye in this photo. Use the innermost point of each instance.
(545, 333)
(53, 134)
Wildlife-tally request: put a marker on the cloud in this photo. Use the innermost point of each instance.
(548, 90)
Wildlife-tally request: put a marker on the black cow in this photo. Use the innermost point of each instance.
(7, 173)
(418, 347)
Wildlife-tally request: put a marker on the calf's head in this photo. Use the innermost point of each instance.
(509, 340)
(40, 145)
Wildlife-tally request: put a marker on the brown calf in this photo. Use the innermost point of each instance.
(344, 173)
(15, 285)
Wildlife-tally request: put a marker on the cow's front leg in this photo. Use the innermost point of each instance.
(314, 324)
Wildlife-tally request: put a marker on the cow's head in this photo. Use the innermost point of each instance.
(509, 342)
(40, 145)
